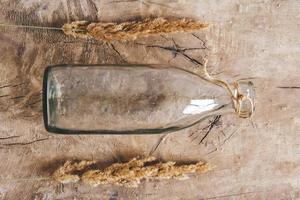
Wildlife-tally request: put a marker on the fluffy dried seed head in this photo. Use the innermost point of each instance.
(68, 172)
(127, 174)
(132, 30)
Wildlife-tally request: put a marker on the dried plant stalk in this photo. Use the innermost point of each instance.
(127, 174)
(130, 30)
(67, 173)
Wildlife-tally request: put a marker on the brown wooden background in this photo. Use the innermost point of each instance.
(254, 38)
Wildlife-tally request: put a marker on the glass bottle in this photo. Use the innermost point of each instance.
(124, 99)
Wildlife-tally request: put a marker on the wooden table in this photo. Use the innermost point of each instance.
(256, 39)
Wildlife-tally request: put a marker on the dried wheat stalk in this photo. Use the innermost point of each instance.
(130, 30)
(127, 174)
(67, 173)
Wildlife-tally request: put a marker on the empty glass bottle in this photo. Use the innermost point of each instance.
(135, 99)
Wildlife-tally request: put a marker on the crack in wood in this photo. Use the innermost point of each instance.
(16, 85)
(149, 3)
(212, 124)
(10, 137)
(203, 42)
(34, 102)
(230, 195)
(112, 46)
(25, 143)
(230, 136)
(177, 50)
(289, 87)
(17, 97)
(123, 1)
(161, 139)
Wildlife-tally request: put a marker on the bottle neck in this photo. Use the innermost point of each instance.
(243, 98)
(242, 95)
(241, 92)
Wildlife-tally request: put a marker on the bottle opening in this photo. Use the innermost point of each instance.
(244, 98)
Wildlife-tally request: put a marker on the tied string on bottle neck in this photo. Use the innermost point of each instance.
(240, 100)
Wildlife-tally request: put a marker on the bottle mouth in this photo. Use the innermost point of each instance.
(243, 98)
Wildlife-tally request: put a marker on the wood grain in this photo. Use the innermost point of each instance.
(254, 38)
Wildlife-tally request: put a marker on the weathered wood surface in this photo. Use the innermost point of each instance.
(254, 38)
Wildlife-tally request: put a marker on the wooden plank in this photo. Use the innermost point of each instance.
(252, 38)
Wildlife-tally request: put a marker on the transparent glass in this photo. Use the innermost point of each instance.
(126, 99)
